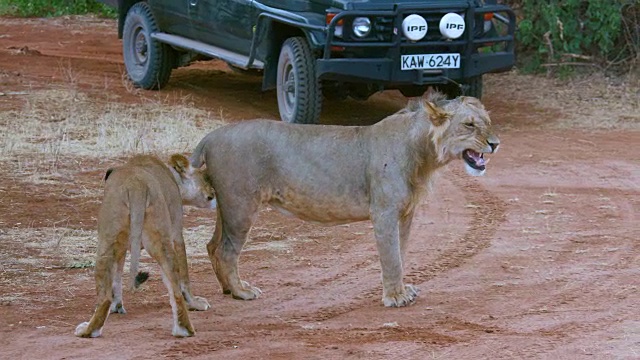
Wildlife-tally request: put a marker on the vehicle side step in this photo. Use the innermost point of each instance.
(234, 59)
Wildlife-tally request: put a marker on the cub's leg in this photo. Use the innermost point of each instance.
(106, 267)
(159, 246)
(116, 305)
(198, 303)
(386, 227)
(224, 251)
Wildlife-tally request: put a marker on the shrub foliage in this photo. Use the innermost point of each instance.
(37, 8)
(569, 32)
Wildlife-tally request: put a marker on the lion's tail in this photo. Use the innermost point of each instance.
(138, 202)
(197, 157)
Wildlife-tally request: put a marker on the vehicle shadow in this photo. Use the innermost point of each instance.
(238, 97)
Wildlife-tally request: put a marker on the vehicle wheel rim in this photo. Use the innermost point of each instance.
(289, 88)
(140, 47)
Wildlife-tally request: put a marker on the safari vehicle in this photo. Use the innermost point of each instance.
(313, 49)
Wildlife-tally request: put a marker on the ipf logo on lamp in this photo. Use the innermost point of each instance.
(414, 27)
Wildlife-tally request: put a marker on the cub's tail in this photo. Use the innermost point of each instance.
(140, 278)
(137, 208)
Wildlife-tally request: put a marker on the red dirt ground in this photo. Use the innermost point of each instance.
(538, 259)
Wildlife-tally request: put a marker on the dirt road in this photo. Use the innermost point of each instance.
(538, 259)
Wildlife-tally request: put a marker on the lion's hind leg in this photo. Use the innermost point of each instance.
(93, 327)
(197, 303)
(224, 251)
(117, 306)
(158, 245)
(182, 326)
(104, 272)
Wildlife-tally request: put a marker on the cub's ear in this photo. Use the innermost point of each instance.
(437, 115)
(180, 164)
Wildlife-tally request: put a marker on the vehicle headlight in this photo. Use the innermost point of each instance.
(361, 26)
(452, 26)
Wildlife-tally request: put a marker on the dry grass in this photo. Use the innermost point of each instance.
(63, 123)
(261, 239)
(76, 248)
(51, 247)
(591, 102)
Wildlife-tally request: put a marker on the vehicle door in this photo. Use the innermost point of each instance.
(172, 16)
(224, 23)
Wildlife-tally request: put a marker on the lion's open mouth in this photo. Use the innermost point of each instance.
(474, 159)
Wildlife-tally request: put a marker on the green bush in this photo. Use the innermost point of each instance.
(38, 8)
(567, 32)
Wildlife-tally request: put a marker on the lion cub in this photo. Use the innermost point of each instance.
(142, 207)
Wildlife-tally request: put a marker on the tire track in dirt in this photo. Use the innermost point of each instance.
(603, 302)
(193, 348)
(489, 212)
(196, 347)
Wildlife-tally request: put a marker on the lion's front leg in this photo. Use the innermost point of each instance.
(404, 232)
(395, 293)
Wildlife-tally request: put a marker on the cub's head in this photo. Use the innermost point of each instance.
(462, 130)
(194, 184)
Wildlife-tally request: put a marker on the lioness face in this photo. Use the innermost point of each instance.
(468, 135)
(195, 187)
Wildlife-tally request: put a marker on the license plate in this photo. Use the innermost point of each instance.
(430, 61)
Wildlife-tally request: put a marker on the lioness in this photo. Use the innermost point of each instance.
(336, 174)
(142, 206)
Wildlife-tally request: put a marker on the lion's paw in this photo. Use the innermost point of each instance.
(198, 303)
(82, 330)
(117, 308)
(179, 331)
(247, 292)
(404, 298)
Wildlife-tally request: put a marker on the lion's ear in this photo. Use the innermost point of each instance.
(437, 115)
(180, 164)
(108, 173)
(469, 100)
(414, 104)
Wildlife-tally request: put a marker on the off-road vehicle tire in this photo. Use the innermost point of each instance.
(148, 61)
(298, 90)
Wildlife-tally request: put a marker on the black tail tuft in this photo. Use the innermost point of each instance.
(109, 171)
(141, 277)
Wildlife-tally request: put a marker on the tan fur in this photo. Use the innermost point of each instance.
(336, 174)
(142, 207)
